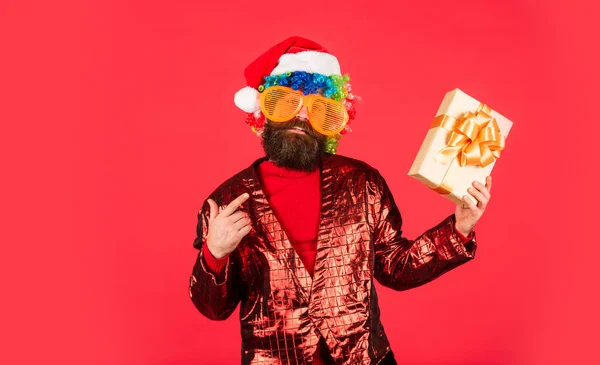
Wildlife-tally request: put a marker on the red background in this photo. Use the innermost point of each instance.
(118, 121)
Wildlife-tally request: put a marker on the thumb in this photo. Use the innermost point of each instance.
(214, 209)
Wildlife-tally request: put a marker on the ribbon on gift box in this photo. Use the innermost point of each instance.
(475, 139)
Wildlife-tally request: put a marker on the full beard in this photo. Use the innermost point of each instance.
(292, 150)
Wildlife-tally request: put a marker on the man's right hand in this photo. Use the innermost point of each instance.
(227, 228)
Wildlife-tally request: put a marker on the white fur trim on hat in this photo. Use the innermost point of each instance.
(308, 61)
(247, 99)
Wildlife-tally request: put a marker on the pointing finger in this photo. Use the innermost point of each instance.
(235, 204)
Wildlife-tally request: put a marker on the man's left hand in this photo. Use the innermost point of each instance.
(470, 212)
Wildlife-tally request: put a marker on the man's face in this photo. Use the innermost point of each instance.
(294, 144)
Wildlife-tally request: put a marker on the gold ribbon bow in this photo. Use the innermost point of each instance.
(475, 138)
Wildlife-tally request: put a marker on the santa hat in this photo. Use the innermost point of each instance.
(293, 54)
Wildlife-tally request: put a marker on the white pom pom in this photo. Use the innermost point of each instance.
(247, 99)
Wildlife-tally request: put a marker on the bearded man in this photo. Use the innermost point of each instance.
(299, 236)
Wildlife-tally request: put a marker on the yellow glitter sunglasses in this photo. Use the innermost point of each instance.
(281, 104)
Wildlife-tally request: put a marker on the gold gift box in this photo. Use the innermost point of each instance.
(462, 145)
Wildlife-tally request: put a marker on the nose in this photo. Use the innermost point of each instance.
(302, 114)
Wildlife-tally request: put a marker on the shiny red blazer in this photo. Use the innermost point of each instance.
(283, 310)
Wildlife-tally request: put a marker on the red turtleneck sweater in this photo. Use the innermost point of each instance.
(295, 197)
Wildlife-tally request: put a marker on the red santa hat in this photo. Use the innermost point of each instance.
(293, 54)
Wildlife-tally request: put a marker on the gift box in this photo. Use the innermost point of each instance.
(462, 145)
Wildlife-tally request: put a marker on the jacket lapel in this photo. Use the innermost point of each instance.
(274, 234)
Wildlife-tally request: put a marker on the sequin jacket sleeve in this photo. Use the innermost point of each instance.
(215, 299)
(401, 263)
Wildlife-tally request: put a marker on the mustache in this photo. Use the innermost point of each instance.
(300, 123)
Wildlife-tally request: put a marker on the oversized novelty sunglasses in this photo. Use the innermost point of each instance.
(281, 104)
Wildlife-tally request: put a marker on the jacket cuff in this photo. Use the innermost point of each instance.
(462, 248)
(460, 236)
